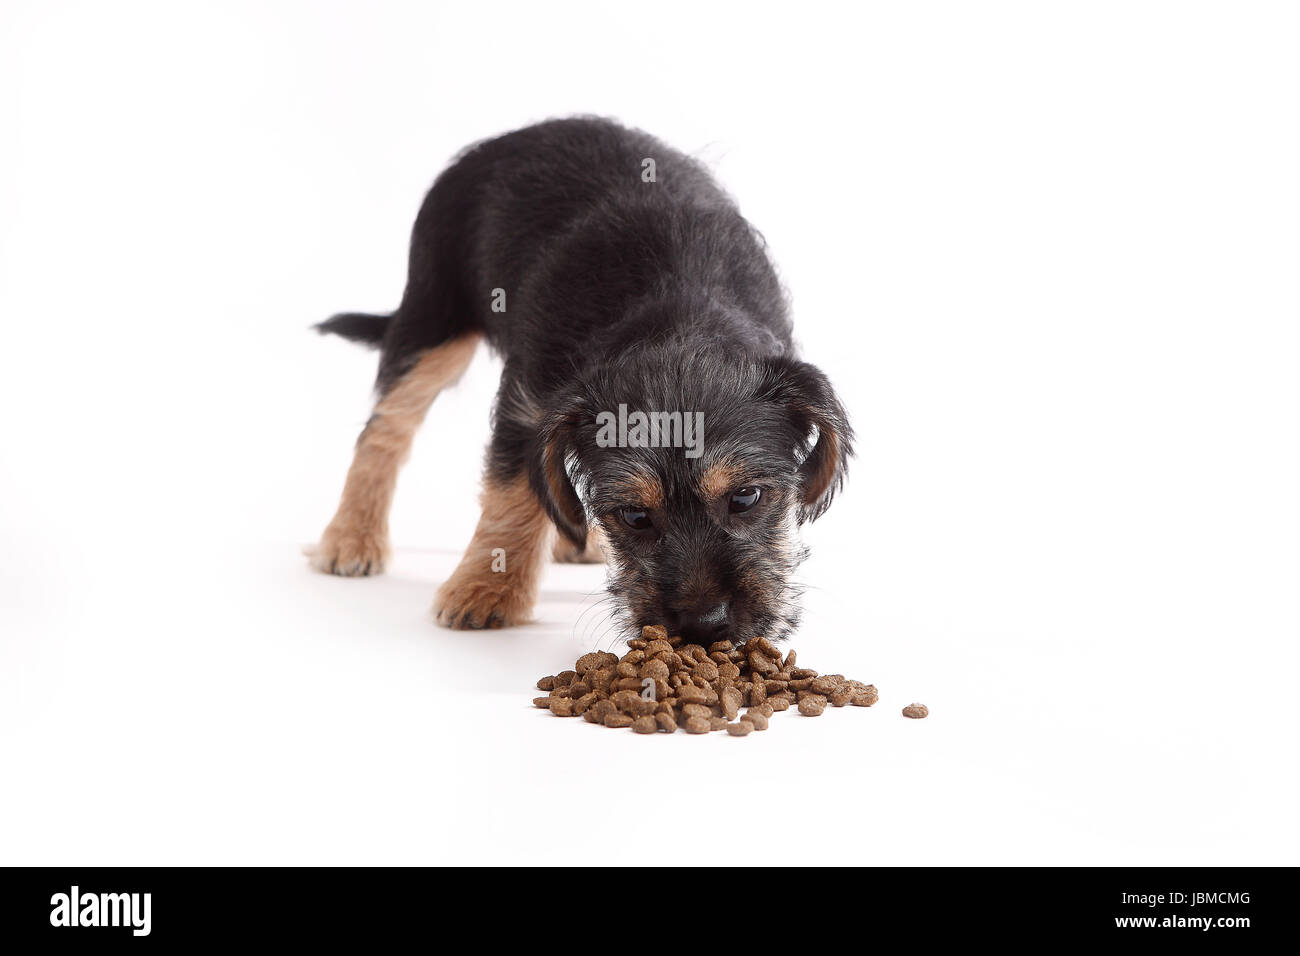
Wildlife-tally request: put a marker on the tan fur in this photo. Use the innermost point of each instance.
(820, 480)
(479, 595)
(720, 479)
(356, 540)
(565, 552)
(641, 490)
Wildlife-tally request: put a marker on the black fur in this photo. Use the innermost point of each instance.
(657, 295)
(357, 326)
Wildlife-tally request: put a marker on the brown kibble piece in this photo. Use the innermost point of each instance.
(717, 723)
(812, 705)
(697, 725)
(916, 711)
(645, 725)
(731, 700)
(764, 647)
(690, 694)
(618, 719)
(542, 702)
(867, 697)
(656, 670)
(778, 704)
(594, 661)
(757, 718)
(666, 721)
(706, 669)
(824, 685)
(654, 632)
(546, 683)
(740, 728)
(561, 706)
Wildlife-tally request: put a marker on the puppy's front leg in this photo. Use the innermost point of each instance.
(495, 584)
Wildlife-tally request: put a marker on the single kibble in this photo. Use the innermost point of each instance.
(812, 705)
(546, 683)
(645, 725)
(655, 670)
(542, 702)
(740, 728)
(755, 717)
(697, 725)
(866, 697)
(561, 706)
(778, 704)
(667, 723)
(731, 700)
(718, 723)
(706, 669)
(594, 661)
(654, 632)
(618, 719)
(916, 711)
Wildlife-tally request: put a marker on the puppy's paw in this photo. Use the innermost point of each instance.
(565, 552)
(471, 601)
(350, 552)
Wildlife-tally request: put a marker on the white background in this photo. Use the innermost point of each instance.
(1047, 252)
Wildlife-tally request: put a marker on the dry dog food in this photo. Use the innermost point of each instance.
(663, 684)
(916, 711)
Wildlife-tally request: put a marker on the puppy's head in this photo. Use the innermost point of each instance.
(699, 469)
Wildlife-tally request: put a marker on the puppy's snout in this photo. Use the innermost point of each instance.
(702, 625)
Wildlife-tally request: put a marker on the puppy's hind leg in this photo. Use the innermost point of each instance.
(356, 540)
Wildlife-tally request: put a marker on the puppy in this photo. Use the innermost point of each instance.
(650, 395)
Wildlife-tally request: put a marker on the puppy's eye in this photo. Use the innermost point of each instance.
(634, 518)
(744, 499)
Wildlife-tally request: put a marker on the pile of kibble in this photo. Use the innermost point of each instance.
(663, 683)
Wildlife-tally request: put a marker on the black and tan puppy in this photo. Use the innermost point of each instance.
(650, 390)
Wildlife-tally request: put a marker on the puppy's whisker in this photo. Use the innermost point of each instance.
(593, 605)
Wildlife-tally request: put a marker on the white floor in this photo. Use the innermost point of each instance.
(262, 714)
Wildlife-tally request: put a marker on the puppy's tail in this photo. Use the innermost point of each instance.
(358, 326)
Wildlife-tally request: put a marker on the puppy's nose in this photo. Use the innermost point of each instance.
(702, 626)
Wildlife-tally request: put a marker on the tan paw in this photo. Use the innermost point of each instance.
(471, 601)
(350, 553)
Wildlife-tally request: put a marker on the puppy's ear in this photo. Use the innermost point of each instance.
(549, 476)
(812, 407)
